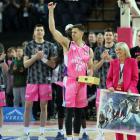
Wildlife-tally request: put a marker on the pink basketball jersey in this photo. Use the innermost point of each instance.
(76, 60)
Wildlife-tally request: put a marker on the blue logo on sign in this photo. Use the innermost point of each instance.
(12, 114)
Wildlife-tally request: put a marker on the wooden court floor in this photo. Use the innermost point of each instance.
(16, 129)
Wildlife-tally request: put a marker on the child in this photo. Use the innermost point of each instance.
(19, 78)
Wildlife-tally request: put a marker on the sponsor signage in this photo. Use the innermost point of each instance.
(12, 114)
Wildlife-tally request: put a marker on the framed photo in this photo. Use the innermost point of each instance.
(119, 112)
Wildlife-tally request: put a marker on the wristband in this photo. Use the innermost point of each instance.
(44, 60)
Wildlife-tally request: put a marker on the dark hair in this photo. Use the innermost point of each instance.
(10, 49)
(108, 30)
(39, 25)
(79, 26)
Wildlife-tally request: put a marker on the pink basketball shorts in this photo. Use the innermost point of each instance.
(34, 92)
(75, 93)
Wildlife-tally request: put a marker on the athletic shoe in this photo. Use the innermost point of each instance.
(59, 136)
(85, 136)
(0, 137)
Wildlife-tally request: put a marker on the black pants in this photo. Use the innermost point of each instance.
(58, 91)
(59, 101)
(77, 112)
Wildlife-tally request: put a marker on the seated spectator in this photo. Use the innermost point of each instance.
(92, 40)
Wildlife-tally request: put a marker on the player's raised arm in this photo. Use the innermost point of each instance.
(56, 34)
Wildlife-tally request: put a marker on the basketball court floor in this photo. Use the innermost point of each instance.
(13, 131)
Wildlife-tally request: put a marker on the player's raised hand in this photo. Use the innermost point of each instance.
(51, 5)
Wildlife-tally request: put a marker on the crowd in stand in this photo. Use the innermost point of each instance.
(22, 15)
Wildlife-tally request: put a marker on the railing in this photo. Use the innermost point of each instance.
(130, 11)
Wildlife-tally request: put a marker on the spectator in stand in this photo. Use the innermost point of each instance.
(103, 55)
(135, 53)
(10, 16)
(92, 40)
(11, 54)
(42, 12)
(19, 78)
(100, 40)
(26, 15)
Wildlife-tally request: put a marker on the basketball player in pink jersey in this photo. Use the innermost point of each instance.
(78, 58)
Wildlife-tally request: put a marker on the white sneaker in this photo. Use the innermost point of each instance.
(25, 137)
(41, 137)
